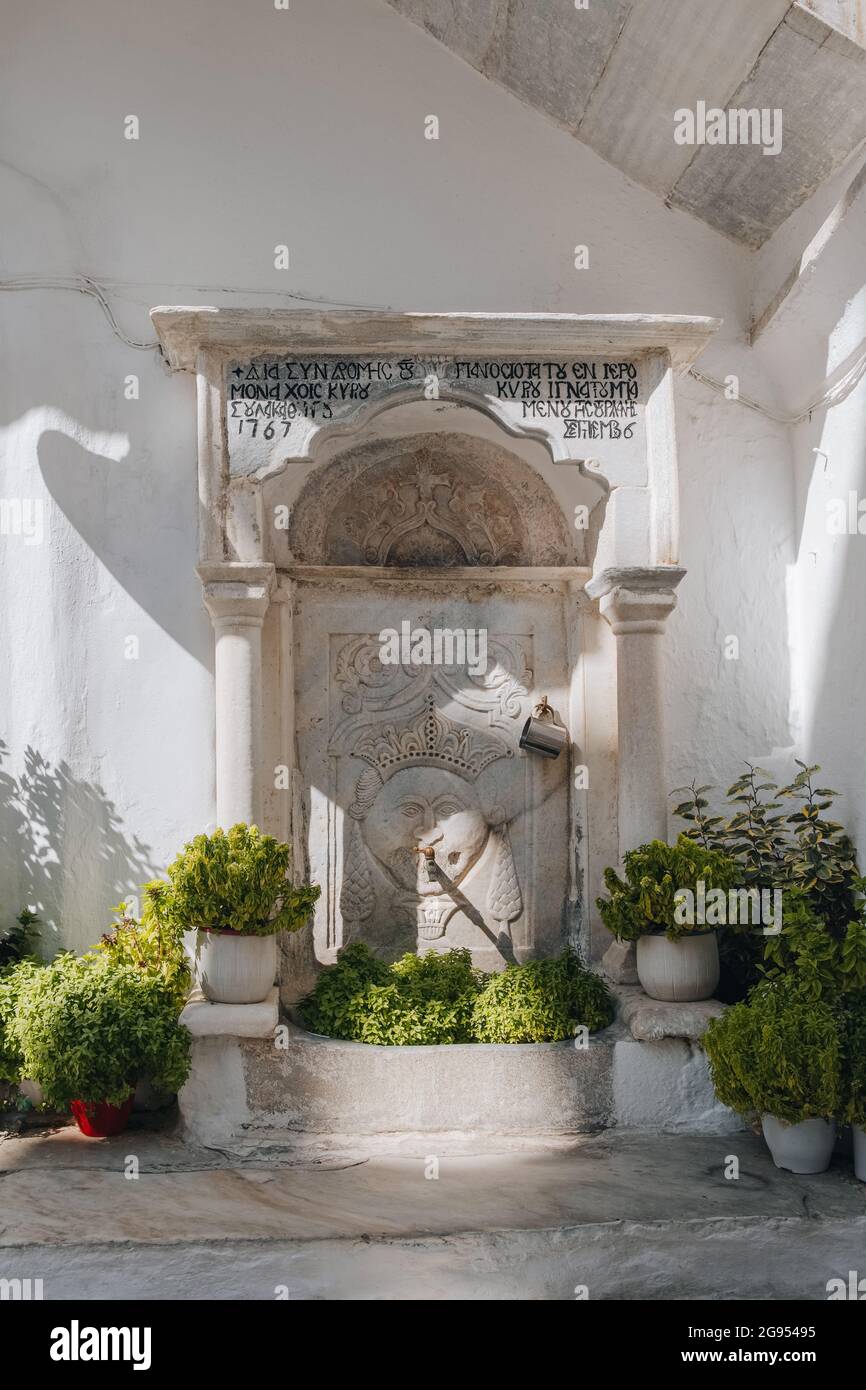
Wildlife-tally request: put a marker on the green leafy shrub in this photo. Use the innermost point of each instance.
(779, 846)
(13, 981)
(89, 1027)
(645, 899)
(854, 1107)
(20, 940)
(153, 944)
(778, 1053)
(417, 1000)
(332, 1007)
(541, 1001)
(440, 998)
(233, 880)
(826, 964)
(794, 847)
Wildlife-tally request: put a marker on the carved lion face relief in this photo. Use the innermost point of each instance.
(421, 807)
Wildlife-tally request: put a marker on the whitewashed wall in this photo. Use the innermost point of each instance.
(818, 336)
(306, 127)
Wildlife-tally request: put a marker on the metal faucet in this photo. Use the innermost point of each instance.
(429, 854)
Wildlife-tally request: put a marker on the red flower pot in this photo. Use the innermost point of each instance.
(98, 1119)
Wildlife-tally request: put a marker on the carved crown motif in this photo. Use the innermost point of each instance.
(430, 739)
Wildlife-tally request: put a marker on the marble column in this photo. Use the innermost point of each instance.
(636, 602)
(236, 596)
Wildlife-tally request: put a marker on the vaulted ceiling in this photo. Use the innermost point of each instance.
(614, 73)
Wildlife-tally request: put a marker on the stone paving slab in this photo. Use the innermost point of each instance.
(59, 1190)
(630, 1215)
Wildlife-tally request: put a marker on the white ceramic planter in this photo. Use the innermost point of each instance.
(679, 971)
(236, 969)
(803, 1148)
(859, 1153)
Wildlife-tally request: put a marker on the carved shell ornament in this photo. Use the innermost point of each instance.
(431, 500)
(434, 499)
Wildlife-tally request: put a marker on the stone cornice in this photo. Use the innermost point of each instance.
(636, 598)
(184, 332)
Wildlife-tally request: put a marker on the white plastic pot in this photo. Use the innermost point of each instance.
(859, 1153)
(236, 969)
(679, 971)
(803, 1148)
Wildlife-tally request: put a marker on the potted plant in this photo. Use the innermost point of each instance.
(89, 1029)
(232, 887)
(778, 1058)
(854, 1111)
(667, 902)
(781, 838)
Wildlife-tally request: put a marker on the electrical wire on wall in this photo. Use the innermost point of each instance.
(83, 284)
(833, 395)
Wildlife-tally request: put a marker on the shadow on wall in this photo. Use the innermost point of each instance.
(63, 853)
(140, 523)
(134, 514)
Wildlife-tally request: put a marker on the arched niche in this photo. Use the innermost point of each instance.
(453, 533)
(430, 500)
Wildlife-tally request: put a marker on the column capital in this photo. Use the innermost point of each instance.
(636, 598)
(236, 592)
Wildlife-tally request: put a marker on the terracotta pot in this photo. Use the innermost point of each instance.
(678, 971)
(235, 969)
(806, 1147)
(98, 1119)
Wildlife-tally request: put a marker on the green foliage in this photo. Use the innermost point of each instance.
(425, 999)
(89, 1027)
(779, 846)
(854, 1109)
(779, 1054)
(541, 1001)
(441, 998)
(153, 944)
(13, 981)
(644, 901)
(234, 880)
(826, 965)
(21, 939)
(796, 848)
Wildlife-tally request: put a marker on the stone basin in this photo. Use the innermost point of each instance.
(283, 1082)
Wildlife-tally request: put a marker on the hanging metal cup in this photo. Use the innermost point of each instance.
(541, 735)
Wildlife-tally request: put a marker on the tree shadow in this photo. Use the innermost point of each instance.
(63, 852)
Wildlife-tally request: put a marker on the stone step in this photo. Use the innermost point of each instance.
(280, 1082)
(623, 1215)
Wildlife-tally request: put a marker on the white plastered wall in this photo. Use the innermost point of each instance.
(304, 127)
